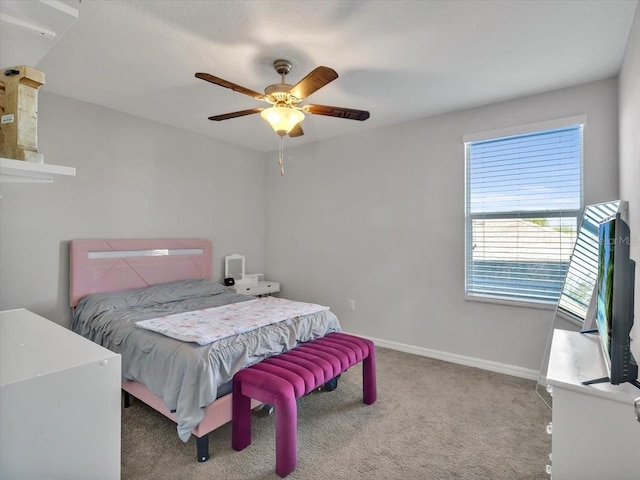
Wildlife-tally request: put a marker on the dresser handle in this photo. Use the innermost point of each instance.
(549, 428)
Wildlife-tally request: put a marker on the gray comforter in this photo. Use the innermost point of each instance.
(186, 375)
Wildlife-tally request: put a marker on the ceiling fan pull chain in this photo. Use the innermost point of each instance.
(281, 155)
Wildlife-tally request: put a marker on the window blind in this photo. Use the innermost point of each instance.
(523, 199)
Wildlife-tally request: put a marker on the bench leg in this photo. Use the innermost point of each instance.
(241, 424)
(369, 388)
(286, 434)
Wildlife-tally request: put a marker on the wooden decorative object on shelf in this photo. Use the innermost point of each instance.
(19, 110)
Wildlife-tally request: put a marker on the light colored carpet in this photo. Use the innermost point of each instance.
(432, 420)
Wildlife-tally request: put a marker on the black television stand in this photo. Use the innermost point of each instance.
(596, 380)
(635, 383)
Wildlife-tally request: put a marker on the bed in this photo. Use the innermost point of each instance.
(116, 286)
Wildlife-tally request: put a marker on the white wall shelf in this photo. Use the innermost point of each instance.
(19, 171)
(29, 30)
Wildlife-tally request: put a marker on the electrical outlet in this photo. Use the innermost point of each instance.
(352, 305)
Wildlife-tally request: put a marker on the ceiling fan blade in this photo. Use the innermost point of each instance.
(296, 131)
(313, 82)
(341, 112)
(241, 113)
(224, 83)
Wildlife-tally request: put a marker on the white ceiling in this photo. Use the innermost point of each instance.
(401, 60)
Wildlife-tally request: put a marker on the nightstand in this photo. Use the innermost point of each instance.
(262, 288)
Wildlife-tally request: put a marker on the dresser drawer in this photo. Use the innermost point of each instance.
(262, 288)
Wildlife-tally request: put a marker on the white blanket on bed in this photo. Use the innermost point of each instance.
(211, 324)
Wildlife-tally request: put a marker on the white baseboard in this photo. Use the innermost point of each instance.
(459, 359)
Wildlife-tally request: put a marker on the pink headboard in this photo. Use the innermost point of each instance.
(98, 266)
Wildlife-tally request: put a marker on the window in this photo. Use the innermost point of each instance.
(523, 201)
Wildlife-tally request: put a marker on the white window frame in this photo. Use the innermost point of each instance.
(469, 217)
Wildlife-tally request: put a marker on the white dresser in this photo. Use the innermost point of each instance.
(595, 435)
(59, 402)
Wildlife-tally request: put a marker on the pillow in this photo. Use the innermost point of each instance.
(153, 295)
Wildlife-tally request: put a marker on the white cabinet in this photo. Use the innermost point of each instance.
(594, 431)
(59, 402)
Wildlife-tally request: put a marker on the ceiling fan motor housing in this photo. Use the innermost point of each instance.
(279, 93)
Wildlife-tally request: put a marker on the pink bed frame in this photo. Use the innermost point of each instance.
(99, 266)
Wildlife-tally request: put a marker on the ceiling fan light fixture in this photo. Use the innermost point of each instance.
(282, 119)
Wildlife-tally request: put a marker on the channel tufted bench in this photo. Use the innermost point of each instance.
(281, 379)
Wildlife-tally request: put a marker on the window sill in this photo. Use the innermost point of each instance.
(511, 303)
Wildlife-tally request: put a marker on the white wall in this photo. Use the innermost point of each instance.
(379, 217)
(629, 90)
(135, 179)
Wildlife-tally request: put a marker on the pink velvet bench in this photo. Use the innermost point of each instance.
(281, 379)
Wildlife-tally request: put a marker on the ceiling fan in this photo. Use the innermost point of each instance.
(285, 114)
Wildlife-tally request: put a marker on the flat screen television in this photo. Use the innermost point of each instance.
(614, 295)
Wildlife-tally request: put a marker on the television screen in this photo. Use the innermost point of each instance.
(614, 297)
(604, 287)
